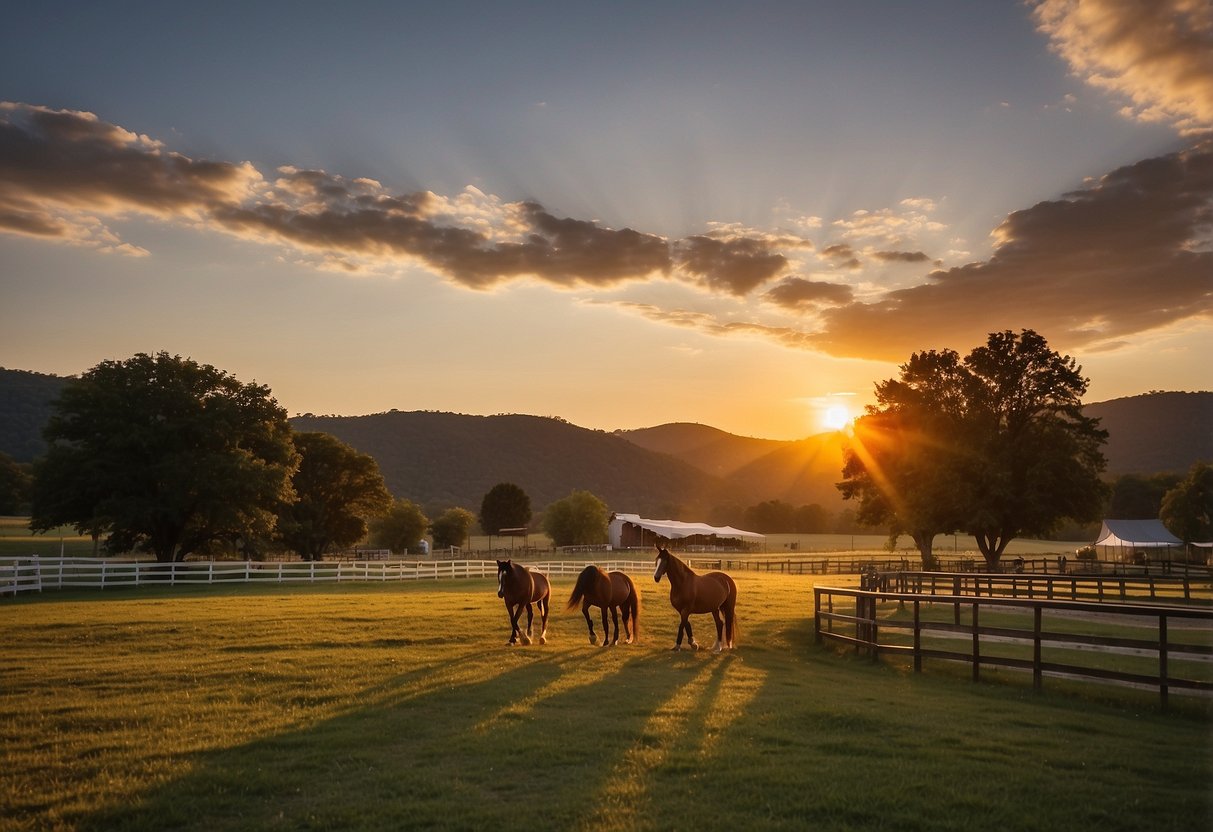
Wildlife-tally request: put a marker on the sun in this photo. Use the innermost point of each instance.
(836, 417)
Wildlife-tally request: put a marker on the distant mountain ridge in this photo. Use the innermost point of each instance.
(675, 470)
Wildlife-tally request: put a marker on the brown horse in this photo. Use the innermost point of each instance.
(520, 587)
(714, 592)
(614, 590)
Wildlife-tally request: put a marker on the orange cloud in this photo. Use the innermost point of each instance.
(1157, 54)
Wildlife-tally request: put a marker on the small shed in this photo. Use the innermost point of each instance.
(1136, 540)
(629, 531)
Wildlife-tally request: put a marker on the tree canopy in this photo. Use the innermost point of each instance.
(505, 506)
(451, 527)
(165, 455)
(337, 490)
(995, 445)
(400, 528)
(579, 519)
(1187, 509)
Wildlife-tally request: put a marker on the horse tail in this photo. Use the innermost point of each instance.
(731, 635)
(584, 581)
(633, 609)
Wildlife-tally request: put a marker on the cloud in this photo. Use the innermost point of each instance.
(1126, 254)
(60, 170)
(798, 293)
(1157, 54)
(901, 256)
(736, 266)
(1130, 253)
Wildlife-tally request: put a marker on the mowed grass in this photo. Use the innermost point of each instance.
(398, 706)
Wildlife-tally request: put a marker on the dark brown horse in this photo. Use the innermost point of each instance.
(607, 590)
(714, 592)
(520, 587)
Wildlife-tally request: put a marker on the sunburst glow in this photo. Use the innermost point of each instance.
(836, 417)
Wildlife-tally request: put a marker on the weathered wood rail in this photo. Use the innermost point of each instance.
(865, 629)
(1076, 587)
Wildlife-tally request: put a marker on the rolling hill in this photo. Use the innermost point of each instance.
(673, 470)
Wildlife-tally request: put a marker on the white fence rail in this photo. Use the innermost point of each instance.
(37, 573)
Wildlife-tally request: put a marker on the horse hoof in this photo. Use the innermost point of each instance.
(593, 639)
(526, 639)
(694, 645)
(543, 639)
(717, 648)
(677, 648)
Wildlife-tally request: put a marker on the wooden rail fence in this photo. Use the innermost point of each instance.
(864, 629)
(37, 574)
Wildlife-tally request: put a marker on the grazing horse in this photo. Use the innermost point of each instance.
(614, 590)
(520, 587)
(714, 592)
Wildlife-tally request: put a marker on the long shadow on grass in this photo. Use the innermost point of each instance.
(480, 740)
(857, 745)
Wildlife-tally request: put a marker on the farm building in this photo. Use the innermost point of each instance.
(1129, 540)
(631, 531)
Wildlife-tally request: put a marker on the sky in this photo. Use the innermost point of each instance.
(620, 214)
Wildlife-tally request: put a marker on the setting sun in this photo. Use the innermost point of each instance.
(836, 417)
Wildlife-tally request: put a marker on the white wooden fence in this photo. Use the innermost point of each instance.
(38, 573)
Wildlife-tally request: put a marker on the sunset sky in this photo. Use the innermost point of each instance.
(621, 214)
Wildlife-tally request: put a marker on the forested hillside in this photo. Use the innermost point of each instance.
(1156, 432)
(25, 405)
(443, 459)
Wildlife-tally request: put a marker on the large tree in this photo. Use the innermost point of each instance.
(1034, 458)
(905, 456)
(579, 519)
(996, 445)
(337, 489)
(1187, 509)
(505, 506)
(164, 455)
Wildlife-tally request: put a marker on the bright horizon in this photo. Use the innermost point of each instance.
(623, 215)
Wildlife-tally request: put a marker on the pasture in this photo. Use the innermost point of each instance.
(391, 706)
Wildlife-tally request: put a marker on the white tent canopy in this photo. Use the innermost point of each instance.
(674, 529)
(1136, 534)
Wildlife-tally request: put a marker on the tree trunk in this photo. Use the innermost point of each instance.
(925, 541)
(992, 546)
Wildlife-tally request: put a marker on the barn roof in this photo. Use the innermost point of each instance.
(677, 529)
(1142, 534)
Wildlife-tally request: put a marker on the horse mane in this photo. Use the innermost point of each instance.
(584, 581)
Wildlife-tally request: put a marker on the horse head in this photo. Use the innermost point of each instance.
(503, 569)
(663, 562)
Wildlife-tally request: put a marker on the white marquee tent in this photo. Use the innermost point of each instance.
(1134, 535)
(673, 529)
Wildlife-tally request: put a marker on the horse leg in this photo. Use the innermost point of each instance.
(690, 635)
(530, 616)
(615, 621)
(585, 610)
(543, 622)
(682, 626)
(606, 630)
(730, 625)
(629, 611)
(513, 612)
(716, 648)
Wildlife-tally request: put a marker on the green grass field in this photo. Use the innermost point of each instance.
(398, 706)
